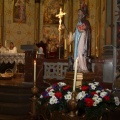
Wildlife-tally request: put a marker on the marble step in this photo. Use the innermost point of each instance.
(10, 117)
(15, 98)
(15, 109)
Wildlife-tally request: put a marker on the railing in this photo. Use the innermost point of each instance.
(55, 70)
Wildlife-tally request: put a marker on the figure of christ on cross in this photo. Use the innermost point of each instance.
(60, 15)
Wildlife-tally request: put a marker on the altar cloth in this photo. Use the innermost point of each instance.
(12, 57)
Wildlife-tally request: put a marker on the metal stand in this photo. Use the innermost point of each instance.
(60, 15)
(72, 104)
(65, 54)
(34, 101)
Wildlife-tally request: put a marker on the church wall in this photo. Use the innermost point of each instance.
(18, 32)
(24, 33)
(97, 18)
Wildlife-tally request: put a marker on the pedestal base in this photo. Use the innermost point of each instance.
(81, 77)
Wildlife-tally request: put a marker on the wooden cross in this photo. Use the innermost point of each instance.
(60, 15)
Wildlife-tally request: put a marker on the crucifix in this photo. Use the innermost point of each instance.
(60, 15)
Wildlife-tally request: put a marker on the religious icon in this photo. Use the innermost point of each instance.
(19, 13)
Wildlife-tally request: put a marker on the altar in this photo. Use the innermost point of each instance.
(12, 57)
(12, 61)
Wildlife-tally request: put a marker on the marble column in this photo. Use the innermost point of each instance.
(37, 20)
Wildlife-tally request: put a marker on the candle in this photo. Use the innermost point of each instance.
(70, 48)
(65, 44)
(75, 74)
(36, 54)
(34, 71)
(70, 37)
(5, 43)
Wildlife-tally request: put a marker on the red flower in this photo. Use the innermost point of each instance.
(55, 84)
(93, 93)
(58, 95)
(47, 97)
(66, 87)
(107, 98)
(89, 102)
(85, 88)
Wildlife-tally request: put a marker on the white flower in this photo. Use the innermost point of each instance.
(51, 90)
(53, 100)
(41, 96)
(68, 92)
(95, 97)
(61, 84)
(90, 84)
(95, 104)
(93, 87)
(97, 100)
(96, 83)
(51, 93)
(47, 89)
(117, 102)
(81, 95)
(100, 99)
(109, 90)
(67, 97)
(98, 91)
(103, 94)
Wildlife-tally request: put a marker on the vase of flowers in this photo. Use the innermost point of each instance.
(56, 96)
(96, 101)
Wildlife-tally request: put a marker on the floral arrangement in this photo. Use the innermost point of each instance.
(91, 98)
(96, 101)
(56, 96)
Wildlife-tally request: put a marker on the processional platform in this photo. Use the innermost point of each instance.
(80, 78)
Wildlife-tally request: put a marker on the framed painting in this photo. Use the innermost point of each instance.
(51, 9)
(19, 11)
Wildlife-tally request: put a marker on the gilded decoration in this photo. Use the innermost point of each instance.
(51, 8)
(50, 33)
(51, 23)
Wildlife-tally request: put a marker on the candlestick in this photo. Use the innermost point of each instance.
(34, 71)
(75, 74)
(60, 15)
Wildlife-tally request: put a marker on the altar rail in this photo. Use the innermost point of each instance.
(55, 70)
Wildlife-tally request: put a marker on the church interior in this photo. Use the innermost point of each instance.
(43, 31)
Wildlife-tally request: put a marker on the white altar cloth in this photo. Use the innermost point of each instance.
(12, 57)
